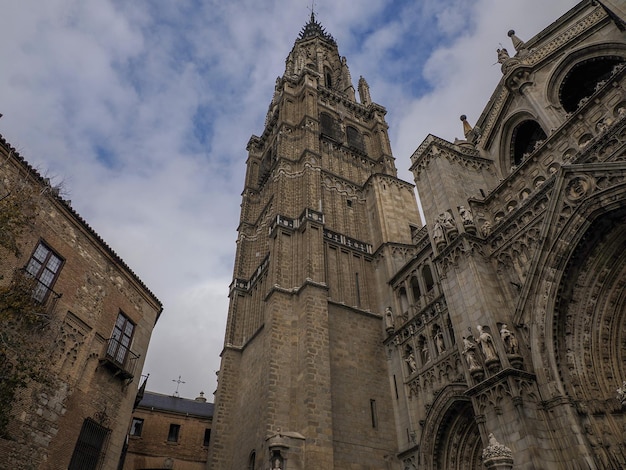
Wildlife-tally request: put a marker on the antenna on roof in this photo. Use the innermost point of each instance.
(178, 382)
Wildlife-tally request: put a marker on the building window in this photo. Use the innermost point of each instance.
(172, 435)
(136, 427)
(374, 413)
(207, 437)
(355, 139)
(526, 136)
(252, 460)
(121, 337)
(44, 265)
(90, 447)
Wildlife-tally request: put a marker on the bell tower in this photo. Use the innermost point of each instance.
(325, 222)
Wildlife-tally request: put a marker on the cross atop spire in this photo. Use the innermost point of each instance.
(313, 28)
(312, 8)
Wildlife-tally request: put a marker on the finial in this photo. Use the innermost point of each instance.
(518, 44)
(312, 8)
(466, 126)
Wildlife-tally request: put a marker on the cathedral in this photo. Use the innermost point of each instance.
(493, 336)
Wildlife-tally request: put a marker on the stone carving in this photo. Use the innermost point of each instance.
(469, 351)
(506, 60)
(466, 215)
(410, 360)
(389, 321)
(446, 221)
(485, 342)
(438, 234)
(485, 230)
(441, 347)
(621, 394)
(511, 345)
(496, 451)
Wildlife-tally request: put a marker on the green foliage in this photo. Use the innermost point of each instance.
(17, 210)
(25, 341)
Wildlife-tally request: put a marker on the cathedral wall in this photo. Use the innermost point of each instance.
(363, 418)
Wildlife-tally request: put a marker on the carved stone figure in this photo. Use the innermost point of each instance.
(486, 229)
(466, 215)
(503, 55)
(277, 465)
(425, 353)
(438, 233)
(441, 347)
(446, 221)
(389, 321)
(621, 394)
(511, 345)
(486, 344)
(470, 354)
(410, 360)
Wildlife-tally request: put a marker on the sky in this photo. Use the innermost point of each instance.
(142, 111)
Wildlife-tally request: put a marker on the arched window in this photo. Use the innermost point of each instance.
(329, 127)
(524, 139)
(252, 460)
(428, 278)
(581, 81)
(404, 301)
(415, 289)
(355, 139)
(328, 78)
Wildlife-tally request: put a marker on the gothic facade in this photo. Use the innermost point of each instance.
(494, 336)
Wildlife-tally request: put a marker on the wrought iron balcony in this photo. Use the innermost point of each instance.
(120, 359)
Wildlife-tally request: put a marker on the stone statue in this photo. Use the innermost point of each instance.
(466, 215)
(511, 345)
(425, 353)
(621, 394)
(503, 55)
(410, 360)
(470, 354)
(441, 347)
(446, 221)
(438, 233)
(389, 321)
(486, 344)
(276, 464)
(486, 229)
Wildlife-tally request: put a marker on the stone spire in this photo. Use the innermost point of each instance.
(314, 29)
(364, 92)
(518, 44)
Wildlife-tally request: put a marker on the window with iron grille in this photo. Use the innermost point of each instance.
(44, 265)
(90, 447)
(121, 338)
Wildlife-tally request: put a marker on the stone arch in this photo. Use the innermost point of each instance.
(521, 133)
(588, 61)
(451, 437)
(576, 310)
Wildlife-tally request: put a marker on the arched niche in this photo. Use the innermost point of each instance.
(451, 438)
(579, 72)
(521, 134)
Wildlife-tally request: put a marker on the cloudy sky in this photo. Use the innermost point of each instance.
(142, 109)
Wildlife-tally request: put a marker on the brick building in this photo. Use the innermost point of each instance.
(74, 346)
(494, 336)
(169, 432)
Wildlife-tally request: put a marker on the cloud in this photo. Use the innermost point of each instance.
(145, 109)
